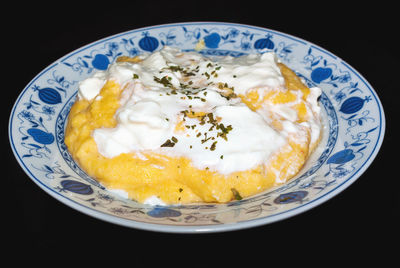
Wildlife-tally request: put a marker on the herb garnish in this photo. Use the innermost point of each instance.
(165, 81)
(191, 91)
(236, 194)
(208, 118)
(224, 131)
(170, 142)
(175, 68)
(212, 148)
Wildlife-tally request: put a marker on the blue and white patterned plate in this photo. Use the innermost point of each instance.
(353, 117)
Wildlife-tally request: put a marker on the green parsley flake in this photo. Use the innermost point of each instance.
(165, 81)
(213, 145)
(236, 194)
(168, 143)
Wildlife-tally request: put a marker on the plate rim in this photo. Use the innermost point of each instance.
(170, 228)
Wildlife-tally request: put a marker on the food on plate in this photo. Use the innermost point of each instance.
(175, 127)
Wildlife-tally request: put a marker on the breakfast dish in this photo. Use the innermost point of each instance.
(175, 127)
(352, 120)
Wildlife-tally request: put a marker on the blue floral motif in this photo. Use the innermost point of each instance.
(170, 38)
(344, 162)
(242, 40)
(148, 43)
(353, 104)
(98, 59)
(264, 43)
(48, 95)
(191, 34)
(212, 40)
(37, 107)
(129, 46)
(291, 197)
(342, 94)
(246, 40)
(100, 62)
(35, 136)
(162, 212)
(48, 110)
(220, 52)
(356, 120)
(76, 187)
(317, 184)
(61, 84)
(320, 74)
(341, 157)
(323, 72)
(53, 171)
(41, 136)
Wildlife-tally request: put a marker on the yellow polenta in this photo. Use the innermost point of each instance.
(178, 181)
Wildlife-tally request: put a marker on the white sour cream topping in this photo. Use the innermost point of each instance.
(154, 201)
(161, 90)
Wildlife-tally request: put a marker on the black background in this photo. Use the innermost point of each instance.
(357, 228)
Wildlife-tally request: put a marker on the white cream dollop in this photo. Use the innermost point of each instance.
(90, 87)
(250, 71)
(154, 201)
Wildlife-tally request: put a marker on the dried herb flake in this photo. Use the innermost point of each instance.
(236, 194)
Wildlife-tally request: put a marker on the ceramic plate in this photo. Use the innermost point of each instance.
(352, 114)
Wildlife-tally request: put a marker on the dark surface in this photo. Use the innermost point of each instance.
(356, 228)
